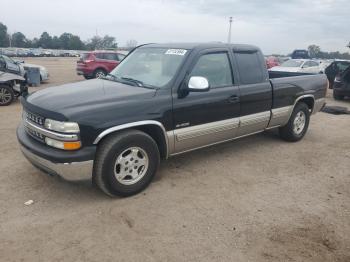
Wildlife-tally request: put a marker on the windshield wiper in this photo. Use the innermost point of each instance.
(137, 82)
(115, 78)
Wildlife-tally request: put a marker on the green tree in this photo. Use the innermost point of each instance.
(35, 43)
(69, 41)
(64, 39)
(75, 43)
(19, 40)
(108, 42)
(56, 43)
(314, 51)
(98, 42)
(94, 43)
(45, 40)
(4, 37)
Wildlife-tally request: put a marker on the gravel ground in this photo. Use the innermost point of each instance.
(254, 199)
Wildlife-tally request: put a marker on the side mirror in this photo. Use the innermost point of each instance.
(198, 84)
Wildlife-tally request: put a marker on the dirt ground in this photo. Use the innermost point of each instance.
(254, 199)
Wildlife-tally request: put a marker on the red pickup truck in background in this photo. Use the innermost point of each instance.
(95, 64)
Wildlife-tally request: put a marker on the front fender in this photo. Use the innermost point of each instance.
(5, 77)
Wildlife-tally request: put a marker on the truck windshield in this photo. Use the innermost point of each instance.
(292, 63)
(153, 67)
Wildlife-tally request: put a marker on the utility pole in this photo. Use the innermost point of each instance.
(229, 31)
(10, 39)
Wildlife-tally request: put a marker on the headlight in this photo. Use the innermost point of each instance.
(64, 127)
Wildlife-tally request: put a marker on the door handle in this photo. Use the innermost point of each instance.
(233, 99)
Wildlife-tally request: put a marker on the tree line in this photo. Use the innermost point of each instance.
(316, 52)
(66, 41)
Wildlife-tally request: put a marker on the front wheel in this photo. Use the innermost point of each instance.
(6, 95)
(297, 125)
(126, 163)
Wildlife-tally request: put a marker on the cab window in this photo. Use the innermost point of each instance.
(250, 67)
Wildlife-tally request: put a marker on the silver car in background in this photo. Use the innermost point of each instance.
(44, 73)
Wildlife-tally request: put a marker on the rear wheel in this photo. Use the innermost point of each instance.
(126, 163)
(337, 97)
(6, 95)
(297, 125)
(99, 73)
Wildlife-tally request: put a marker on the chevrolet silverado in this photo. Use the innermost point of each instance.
(162, 100)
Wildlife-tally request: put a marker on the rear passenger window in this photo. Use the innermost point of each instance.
(99, 55)
(250, 67)
(214, 67)
(110, 56)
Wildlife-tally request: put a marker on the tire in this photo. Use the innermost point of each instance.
(87, 77)
(6, 95)
(297, 125)
(115, 157)
(99, 73)
(337, 97)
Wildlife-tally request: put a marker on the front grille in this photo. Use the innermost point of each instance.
(34, 134)
(34, 118)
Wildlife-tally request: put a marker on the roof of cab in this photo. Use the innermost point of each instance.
(199, 46)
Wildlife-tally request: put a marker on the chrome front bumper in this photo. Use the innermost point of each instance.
(69, 171)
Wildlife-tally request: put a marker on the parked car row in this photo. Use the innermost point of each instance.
(38, 52)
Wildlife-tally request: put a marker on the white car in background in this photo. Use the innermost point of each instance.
(44, 73)
(300, 66)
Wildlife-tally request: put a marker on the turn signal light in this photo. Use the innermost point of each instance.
(72, 145)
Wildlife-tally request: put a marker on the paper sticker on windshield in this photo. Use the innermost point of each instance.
(176, 52)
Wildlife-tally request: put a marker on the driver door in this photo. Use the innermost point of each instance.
(204, 118)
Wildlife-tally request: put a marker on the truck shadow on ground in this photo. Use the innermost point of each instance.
(85, 191)
(230, 149)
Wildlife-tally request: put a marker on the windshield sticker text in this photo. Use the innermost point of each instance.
(176, 52)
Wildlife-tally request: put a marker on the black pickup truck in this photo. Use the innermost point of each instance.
(162, 100)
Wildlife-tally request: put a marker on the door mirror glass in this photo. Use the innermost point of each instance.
(198, 84)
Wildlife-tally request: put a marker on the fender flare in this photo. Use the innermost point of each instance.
(134, 124)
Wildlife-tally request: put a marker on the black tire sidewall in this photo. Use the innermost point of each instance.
(12, 95)
(336, 96)
(300, 107)
(151, 149)
(99, 70)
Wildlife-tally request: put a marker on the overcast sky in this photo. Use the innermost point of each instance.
(276, 26)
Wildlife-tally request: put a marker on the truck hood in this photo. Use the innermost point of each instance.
(80, 96)
(285, 69)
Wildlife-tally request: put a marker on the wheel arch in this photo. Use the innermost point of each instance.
(309, 100)
(100, 68)
(153, 128)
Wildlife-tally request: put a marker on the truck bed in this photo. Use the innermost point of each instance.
(288, 86)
